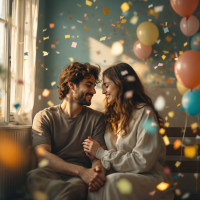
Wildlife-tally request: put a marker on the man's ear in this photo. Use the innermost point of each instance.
(71, 85)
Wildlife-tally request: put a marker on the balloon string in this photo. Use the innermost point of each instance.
(183, 139)
(187, 34)
(197, 156)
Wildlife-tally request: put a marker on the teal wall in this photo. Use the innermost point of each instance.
(59, 11)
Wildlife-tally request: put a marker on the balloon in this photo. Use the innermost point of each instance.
(142, 51)
(147, 33)
(190, 102)
(195, 42)
(182, 89)
(184, 8)
(187, 69)
(125, 14)
(189, 27)
(117, 49)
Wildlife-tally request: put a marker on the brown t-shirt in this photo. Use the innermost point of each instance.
(65, 134)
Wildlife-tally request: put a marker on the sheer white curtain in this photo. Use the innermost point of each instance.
(23, 58)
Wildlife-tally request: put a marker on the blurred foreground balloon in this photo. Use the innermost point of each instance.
(150, 126)
(190, 102)
(187, 69)
(189, 27)
(182, 89)
(147, 33)
(117, 49)
(142, 51)
(184, 8)
(195, 42)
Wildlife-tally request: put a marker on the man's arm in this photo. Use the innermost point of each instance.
(43, 151)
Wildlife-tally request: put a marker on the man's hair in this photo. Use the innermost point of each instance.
(75, 73)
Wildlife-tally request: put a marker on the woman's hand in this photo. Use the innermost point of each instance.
(90, 146)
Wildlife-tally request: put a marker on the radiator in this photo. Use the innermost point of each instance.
(15, 158)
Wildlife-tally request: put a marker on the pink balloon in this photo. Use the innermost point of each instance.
(142, 51)
(187, 69)
(184, 7)
(189, 27)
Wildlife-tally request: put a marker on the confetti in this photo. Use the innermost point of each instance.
(43, 163)
(185, 44)
(118, 25)
(162, 186)
(45, 53)
(177, 144)
(124, 186)
(53, 83)
(20, 82)
(71, 59)
(50, 103)
(167, 170)
(149, 20)
(158, 9)
(57, 52)
(151, 5)
(64, 27)
(53, 46)
(197, 137)
(160, 64)
(130, 3)
(177, 164)
(40, 195)
(45, 38)
(168, 38)
(128, 94)
(78, 5)
(112, 24)
(44, 30)
(85, 15)
(134, 20)
(86, 28)
(196, 175)
(138, 46)
(88, 3)
(178, 192)
(73, 27)
(106, 11)
(194, 125)
(158, 41)
(166, 118)
(162, 131)
(51, 25)
(130, 78)
(39, 97)
(163, 57)
(109, 38)
(165, 51)
(180, 52)
(67, 36)
(148, 111)
(159, 104)
(190, 151)
(186, 195)
(166, 140)
(17, 105)
(74, 44)
(152, 193)
(79, 21)
(103, 38)
(121, 17)
(123, 21)
(98, 52)
(167, 124)
(45, 93)
(171, 114)
(125, 7)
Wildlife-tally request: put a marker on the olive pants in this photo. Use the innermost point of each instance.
(44, 181)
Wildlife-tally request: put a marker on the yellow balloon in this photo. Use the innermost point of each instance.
(147, 33)
(182, 89)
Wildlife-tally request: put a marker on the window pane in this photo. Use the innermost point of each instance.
(2, 76)
(2, 9)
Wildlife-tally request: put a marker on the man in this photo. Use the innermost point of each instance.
(58, 133)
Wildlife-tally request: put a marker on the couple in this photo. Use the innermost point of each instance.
(88, 152)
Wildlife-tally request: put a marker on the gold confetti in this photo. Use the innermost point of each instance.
(194, 125)
(177, 164)
(124, 186)
(165, 23)
(88, 3)
(78, 5)
(50, 103)
(45, 38)
(149, 20)
(71, 59)
(177, 144)
(118, 25)
(178, 192)
(185, 44)
(178, 105)
(190, 151)
(162, 131)
(171, 114)
(165, 51)
(43, 163)
(138, 46)
(180, 52)
(67, 36)
(166, 140)
(103, 38)
(106, 11)
(167, 124)
(166, 118)
(162, 186)
(168, 38)
(163, 57)
(53, 83)
(86, 28)
(123, 21)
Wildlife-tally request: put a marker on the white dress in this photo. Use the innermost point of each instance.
(139, 158)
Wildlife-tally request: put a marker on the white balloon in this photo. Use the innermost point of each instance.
(117, 49)
(159, 104)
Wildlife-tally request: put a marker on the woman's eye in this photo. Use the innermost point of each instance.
(106, 86)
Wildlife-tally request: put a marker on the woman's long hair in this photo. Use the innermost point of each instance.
(120, 111)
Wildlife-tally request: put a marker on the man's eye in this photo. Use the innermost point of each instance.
(89, 85)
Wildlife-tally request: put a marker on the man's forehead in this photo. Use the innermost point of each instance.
(89, 79)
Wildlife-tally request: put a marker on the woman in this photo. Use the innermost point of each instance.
(134, 152)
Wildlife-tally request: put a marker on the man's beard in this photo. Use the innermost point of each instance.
(80, 98)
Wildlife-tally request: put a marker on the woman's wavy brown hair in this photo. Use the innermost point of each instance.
(75, 73)
(121, 110)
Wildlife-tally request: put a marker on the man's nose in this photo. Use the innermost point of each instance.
(94, 91)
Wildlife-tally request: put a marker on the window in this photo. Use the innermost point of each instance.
(5, 13)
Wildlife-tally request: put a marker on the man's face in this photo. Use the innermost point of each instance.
(85, 91)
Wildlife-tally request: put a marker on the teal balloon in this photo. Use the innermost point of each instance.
(195, 42)
(125, 14)
(150, 126)
(191, 102)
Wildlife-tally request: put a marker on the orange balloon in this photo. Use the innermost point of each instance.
(184, 8)
(187, 69)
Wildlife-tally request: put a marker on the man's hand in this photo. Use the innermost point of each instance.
(101, 172)
(93, 178)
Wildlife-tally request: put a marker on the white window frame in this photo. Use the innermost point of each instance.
(6, 63)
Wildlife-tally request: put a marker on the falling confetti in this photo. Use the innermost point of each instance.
(88, 3)
(152, 193)
(53, 83)
(123, 21)
(125, 7)
(124, 186)
(71, 59)
(194, 125)
(171, 114)
(166, 140)
(185, 44)
(128, 94)
(45, 53)
(162, 186)
(51, 25)
(190, 151)
(166, 30)
(17, 105)
(43, 163)
(45, 38)
(106, 11)
(158, 9)
(45, 93)
(50, 103)
(74, 44)
(130, 78)
(159, 104)
(162, 131)
(167, 170)
(53, 46)
(67, 36)
(186, 195)
(177, 164)
(177, 144)
(86, 28)
(103, 38)
(178, 192)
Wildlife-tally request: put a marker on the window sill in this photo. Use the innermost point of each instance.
(3, 127)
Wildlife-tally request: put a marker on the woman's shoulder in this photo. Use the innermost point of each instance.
(141, 109)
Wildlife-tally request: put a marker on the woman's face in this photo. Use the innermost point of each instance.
(110, 89)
